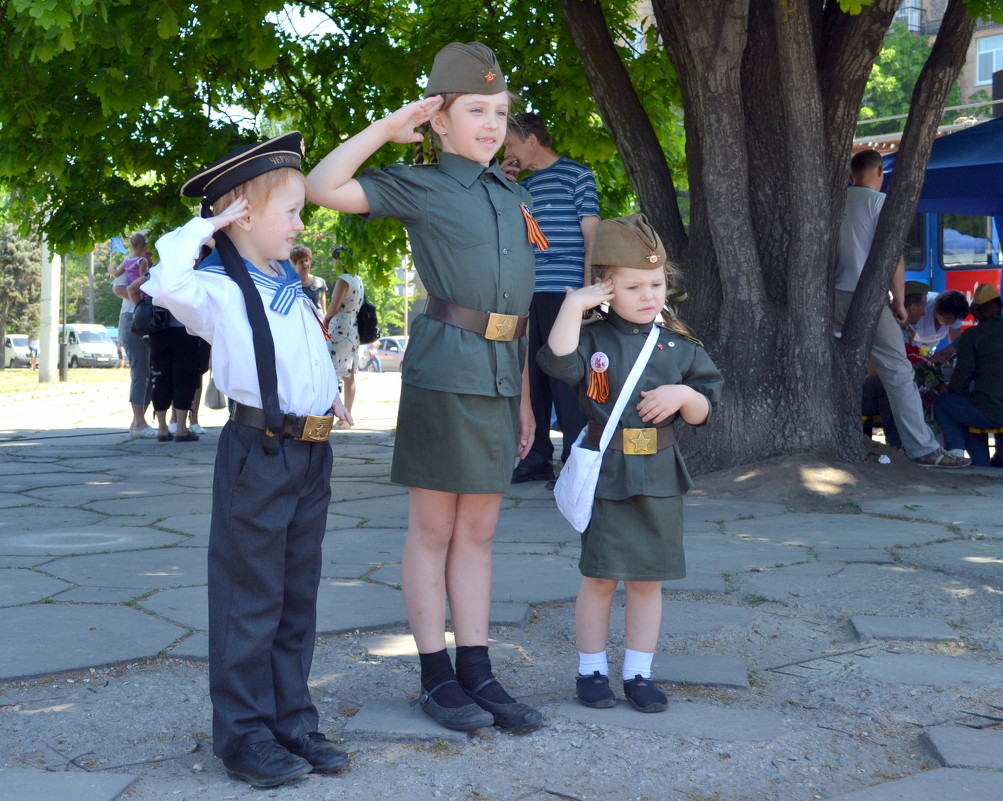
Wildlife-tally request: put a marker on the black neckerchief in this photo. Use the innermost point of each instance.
(261, 337)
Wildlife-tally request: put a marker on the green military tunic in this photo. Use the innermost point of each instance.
(636, 529)
(458, 419)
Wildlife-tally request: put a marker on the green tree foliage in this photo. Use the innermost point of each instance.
(20, 282)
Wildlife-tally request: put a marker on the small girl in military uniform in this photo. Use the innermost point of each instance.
(464, 410)
(272, 482)
(636, 531)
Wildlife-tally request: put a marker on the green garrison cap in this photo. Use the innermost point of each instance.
(469, 69)
(628, 242)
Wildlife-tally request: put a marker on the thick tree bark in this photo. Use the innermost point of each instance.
(771, 93)
(634, 137)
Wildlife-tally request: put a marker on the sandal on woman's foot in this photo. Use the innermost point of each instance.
(459, 718)
(187, 438)
(165, 437)
(513, 715)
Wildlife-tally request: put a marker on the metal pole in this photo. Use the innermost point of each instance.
(63, 367)
(90, 288)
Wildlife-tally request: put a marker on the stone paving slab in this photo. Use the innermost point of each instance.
(943, 784)
(194, 648)
(885, 627)
(834, 530)
(962, 747)
(41, 518)
(195, 524)
(702, 671)
(354, 546)
(87, 636)
(345, 605)
(154, 569)
(342, 490)
(862, 556)
(12, 500)
(709, 509)
(684, 719)
(707, 553)
(100, 595)
(108, 488)
(398, 721)
(854, 588)
(20, 784)
(981, 560)
(19, 586)
(930, 670)
(692, 618)
(23, 480)
(98, 538)
(157, 508)
(539, 524)
(540, 579)
(698, 583)
(21, 467)
(968, 512)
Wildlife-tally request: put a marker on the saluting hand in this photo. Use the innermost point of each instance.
(589, 296)
(400, 125)
(235, 212)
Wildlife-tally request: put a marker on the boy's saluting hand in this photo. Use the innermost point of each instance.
(236, 211)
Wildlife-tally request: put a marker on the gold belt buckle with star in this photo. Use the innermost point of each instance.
(316, 428)
(640, 441)
(501, 327)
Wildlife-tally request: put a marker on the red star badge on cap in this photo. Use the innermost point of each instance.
(653, 258)
(490, 77)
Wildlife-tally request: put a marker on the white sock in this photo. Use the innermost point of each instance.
(636, 663)
(590, 663)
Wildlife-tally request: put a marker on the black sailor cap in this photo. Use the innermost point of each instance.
(243, 164)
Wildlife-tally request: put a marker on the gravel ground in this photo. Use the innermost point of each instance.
(839, 729)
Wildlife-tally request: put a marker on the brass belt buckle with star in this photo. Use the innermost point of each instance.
(501, 327)
(316, 428)
(640, 441)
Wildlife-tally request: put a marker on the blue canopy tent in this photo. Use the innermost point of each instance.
(965, 173)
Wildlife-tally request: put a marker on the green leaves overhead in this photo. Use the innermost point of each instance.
(109, 106)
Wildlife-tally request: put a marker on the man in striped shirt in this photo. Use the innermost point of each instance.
(566, 206)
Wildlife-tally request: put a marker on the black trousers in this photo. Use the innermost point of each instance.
(268, 518)
(173, 368)
(546, 392)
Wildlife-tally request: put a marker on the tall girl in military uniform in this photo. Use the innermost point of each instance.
(636, 531)
(464, 409)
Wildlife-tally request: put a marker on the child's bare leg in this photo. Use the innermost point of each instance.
(644, 618)
(431, 517)
(595, 597)
(468, 566)
(644, 615)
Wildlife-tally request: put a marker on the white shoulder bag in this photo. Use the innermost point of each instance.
(576, 485)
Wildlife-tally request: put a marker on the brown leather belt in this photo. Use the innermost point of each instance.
(633, 441)
(493, 326)
(309, 428)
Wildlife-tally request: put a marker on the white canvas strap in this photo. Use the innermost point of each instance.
(628, 388)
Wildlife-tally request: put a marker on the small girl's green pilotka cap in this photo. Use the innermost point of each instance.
(469, 69)
(628, 242)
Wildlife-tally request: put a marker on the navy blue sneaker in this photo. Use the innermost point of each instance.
(644, 695)
(595, 691)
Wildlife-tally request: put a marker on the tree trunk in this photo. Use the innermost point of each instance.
(771, 93)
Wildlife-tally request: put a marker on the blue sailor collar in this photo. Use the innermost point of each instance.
(284, 291)
(466, 172)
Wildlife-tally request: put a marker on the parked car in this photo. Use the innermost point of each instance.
(391, 353)
(89, 346)
(16, 352)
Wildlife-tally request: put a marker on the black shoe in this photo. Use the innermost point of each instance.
(520, 476)
(594, 691)
(460, 718)
(265, 764)
(644, 695)
(512, 715)
(551, 484)
(321, 753)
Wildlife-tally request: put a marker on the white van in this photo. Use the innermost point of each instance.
(89, 346)
(16, 350)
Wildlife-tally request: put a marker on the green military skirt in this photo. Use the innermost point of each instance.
(455, 443)
(636, 539)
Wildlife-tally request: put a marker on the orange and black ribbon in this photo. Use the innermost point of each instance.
(598, 386)
(533, 232)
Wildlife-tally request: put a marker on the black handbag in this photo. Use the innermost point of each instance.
(368, 325)
(148, 318)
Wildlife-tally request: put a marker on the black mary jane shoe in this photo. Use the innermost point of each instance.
(460, 718)
(321, 753)
(265, 764)
(512, 715)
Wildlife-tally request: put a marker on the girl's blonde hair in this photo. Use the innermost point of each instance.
(259, 188)
(138, 243)
(673, 279)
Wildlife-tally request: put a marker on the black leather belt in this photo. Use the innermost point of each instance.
(633, 441)
(309, 428)
(493, 326)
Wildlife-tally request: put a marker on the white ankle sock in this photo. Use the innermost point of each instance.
(590, 663)
(636, 663)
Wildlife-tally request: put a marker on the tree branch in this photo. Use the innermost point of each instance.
(627, 122)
